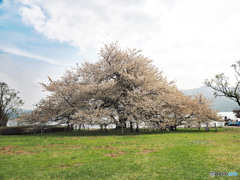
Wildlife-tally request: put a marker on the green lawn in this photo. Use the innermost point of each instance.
(185, 154)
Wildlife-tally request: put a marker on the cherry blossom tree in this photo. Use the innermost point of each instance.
(122, 87)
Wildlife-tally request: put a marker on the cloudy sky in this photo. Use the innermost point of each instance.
(189, 40)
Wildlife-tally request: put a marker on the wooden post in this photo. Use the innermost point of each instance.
(216, 127)
(122, 127)
(207, 128)
(41, 129)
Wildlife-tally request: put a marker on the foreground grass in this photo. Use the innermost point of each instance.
(185, 154)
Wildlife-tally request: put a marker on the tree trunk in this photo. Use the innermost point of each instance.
(101, 128)
(3, 122)
(105, 128)
(68, 126)
(199, 125)
(131, 126)
(121, 123)
(118, 125)
(137, 129)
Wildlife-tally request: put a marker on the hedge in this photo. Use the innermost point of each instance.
(30, 130)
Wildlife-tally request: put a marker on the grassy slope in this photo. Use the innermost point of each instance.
(185, 154)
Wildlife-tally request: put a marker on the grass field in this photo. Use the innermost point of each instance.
(185, 154)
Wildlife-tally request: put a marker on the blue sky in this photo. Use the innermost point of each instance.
(27, 57)
(189, 40)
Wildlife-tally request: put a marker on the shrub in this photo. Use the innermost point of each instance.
(30, 130)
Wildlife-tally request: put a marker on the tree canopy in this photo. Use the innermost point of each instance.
(122, 87)
(222, 86)
(9, 103)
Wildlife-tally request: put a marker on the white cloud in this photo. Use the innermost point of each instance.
(189, 40)
(89, 23)
(16, 51)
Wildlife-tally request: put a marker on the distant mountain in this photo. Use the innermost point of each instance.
(220, 103)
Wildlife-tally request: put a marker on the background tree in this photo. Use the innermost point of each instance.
(222, 86)
(9, 103)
